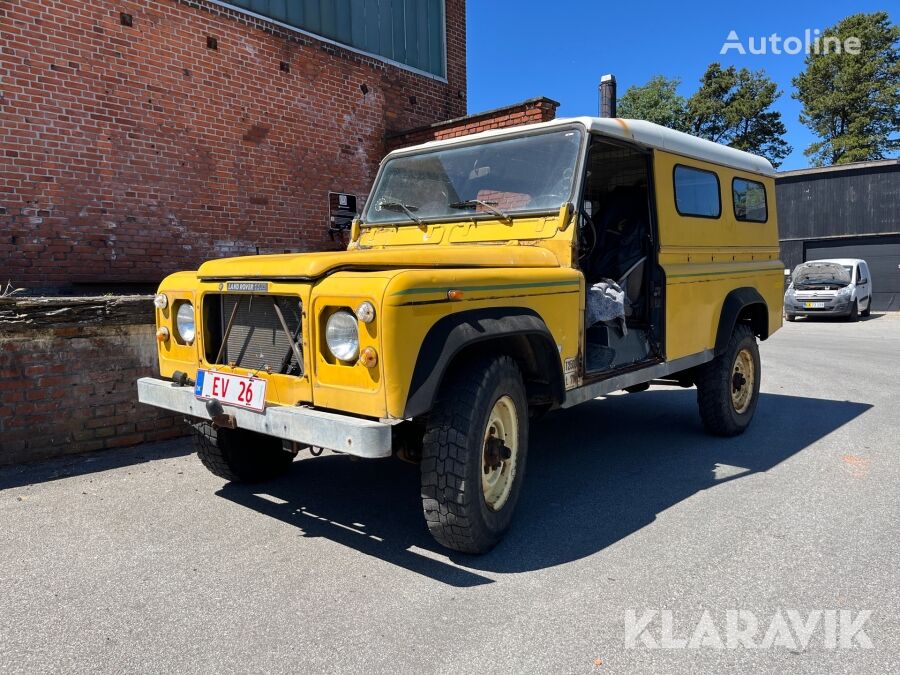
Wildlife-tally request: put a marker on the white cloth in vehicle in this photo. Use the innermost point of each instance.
(605, 304)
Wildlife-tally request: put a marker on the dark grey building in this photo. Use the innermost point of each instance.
(845, 211)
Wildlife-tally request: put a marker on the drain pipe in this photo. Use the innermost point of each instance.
(608, 96)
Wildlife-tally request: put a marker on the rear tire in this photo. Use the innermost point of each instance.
(240, 456)
(469, 494)
(728, 386)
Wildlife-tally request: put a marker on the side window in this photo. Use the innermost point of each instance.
(749, 200)
(697, 192)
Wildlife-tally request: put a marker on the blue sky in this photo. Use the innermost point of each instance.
(518, 49)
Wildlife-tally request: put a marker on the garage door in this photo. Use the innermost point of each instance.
(882, 253)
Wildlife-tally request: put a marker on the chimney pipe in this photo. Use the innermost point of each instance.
(608, 96)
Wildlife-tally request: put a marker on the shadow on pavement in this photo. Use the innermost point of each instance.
(596, 474)
(43, 470)
(837, 319)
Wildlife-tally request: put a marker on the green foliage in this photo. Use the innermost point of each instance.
(731, 107)
(657, 101)
(852, 101)
(734, 107)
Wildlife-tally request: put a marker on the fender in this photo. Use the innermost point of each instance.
(736, 302)
(455, 332)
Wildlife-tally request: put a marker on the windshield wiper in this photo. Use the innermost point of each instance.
(399, 207)
(487, 206)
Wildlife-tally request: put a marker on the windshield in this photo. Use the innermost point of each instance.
(498, 179)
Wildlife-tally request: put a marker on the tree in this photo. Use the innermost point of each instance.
(657, 101)
(731, 107)
(852, 101)
(734, 107)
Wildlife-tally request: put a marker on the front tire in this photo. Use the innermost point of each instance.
(854, 312)
(790, 317)
(473, 455)
(728, 386)
(868, 310)
(240, 456)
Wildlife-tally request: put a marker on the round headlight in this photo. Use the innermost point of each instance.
(161, 301)
(342, 335)
(184, 322)
(366, 312)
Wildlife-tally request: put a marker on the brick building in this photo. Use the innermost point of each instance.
(142, 137)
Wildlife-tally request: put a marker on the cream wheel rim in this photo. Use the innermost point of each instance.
(497, 474)
(742, 381)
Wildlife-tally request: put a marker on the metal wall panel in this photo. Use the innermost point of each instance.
(385, 29)
(358, 24)
(882, 254)
(839, 203)
(434, 19)
(837, 214)
(277, 9)
(398, 18)
(411, 32)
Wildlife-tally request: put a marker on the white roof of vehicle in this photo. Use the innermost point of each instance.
(643, 133)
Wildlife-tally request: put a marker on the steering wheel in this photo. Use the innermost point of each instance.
(562, 187)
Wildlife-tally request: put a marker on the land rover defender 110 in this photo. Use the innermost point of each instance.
(489, 279)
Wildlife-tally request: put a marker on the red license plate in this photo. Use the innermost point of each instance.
(236, 390)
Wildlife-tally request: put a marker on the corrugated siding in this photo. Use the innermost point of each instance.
(410, 32)
(831, 204)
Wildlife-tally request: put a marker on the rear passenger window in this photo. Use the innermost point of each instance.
(749, 200)
(697, 192)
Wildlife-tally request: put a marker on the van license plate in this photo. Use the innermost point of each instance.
(237, 390)
(815, 305)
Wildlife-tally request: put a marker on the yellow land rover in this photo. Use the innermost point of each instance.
(488, 279)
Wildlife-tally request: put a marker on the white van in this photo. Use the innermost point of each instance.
(834, 287)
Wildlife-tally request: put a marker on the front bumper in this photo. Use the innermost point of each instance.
(830, 309)
(350, 435)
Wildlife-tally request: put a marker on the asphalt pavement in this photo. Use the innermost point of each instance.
(640, 545)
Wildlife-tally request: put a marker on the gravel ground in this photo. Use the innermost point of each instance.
(141, 561)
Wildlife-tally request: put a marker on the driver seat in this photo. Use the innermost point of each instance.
(632, 281)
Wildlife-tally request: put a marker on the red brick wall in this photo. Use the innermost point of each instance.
(70, 390)
(527, 112)
(127, 153)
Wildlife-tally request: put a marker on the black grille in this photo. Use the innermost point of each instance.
(257, 340)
